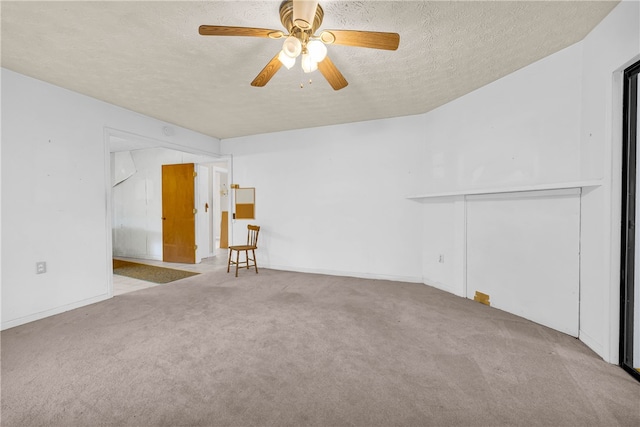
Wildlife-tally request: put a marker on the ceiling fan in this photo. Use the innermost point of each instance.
(302, 18)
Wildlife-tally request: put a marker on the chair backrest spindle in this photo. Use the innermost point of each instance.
(252, 235)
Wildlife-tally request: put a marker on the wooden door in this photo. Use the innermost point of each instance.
(178, 216)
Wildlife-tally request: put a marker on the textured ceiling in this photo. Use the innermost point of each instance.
(147, 56)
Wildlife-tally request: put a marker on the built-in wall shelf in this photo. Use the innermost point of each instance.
(540, 187)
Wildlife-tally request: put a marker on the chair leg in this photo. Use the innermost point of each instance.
(237, 261)
(229, 261)
(255, 263)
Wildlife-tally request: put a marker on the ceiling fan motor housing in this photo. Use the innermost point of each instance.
(286, 17)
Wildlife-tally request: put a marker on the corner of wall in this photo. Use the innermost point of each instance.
(606, 51)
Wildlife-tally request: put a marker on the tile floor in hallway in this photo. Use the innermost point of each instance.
(122, 284)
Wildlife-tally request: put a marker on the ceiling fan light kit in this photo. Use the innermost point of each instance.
(302, 18)
(292, 47)
(286, 60)
(317, 50)
(308, 64)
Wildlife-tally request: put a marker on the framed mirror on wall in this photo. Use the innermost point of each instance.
(245, 201)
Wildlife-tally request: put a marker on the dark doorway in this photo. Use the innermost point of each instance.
(630, 252)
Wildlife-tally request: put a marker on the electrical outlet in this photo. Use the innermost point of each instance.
(41, 267)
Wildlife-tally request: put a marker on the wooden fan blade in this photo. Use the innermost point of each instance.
(267, 72)
(371, 39)
(332, 74)
(221, 30)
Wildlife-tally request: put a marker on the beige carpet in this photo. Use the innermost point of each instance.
(292, 349)
(149, 273)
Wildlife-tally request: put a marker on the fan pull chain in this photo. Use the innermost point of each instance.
(302, 78)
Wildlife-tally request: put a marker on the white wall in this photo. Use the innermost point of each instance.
(521, 130)
(556, 120)
(55, 182)
(607, 50)
(523, 250)
(332, 199)
(340, 192)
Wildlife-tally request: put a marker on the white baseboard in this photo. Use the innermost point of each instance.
(442, 287)
(51, 312)
(139, 256)
(593, 345)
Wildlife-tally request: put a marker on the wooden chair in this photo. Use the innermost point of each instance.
(252, 245)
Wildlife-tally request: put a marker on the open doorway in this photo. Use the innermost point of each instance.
(221, 185)
(135, 206)
(630, 251)
(214, 201)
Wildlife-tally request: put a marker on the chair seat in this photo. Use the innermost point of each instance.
(242, 247)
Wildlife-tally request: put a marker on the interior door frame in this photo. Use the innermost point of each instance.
(630, 111)
(140, 141)
(218, 170)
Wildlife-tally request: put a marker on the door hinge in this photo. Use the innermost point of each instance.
(195, 248)
(195, 174)
(195, 211)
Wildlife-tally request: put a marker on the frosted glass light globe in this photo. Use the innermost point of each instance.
(317, 50)
(308, 64)
(286, 60)
(292, 47)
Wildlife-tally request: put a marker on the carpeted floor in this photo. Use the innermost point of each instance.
(293, 349)
(150, 273)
